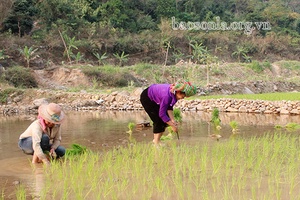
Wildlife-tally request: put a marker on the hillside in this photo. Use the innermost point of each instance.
(39, 34)
(283, 74)
(74, 85)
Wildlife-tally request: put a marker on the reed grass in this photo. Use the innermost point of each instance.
(265, 167)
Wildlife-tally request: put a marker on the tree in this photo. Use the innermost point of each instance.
(20, 20)
(114, 13)
(5, 8)
(57, 12)
(166, 8)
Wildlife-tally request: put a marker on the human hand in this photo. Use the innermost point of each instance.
(46, 162)
(173, 125)
(174, 122)
(174, 128)
(35, 159)
(52, 153)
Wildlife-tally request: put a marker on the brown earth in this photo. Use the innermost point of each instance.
(56, 80)
(234, 80)
(59, 77)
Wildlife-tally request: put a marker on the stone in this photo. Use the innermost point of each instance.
(137, 92)
(284, 112)
(230, 109)
(247, 91)
(200, 108)
(38, 102)
(268, 112)
(295, 112)
(243, 109)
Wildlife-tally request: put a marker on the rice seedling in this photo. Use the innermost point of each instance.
(278, 127)
(20, 192)
(262, 167)
(170, 135)
(177, 114)
(234, 126)
(76, 149)
(292, 126)
(130, 126)
(178, 117)
(216, 121)
(2, 195)
(215, 118)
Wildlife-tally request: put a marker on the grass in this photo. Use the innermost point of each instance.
(283, 96)
(265, 167)
(289, 64)
(9, 92)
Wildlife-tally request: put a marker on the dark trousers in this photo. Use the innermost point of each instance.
(26, 145)
(152, 110)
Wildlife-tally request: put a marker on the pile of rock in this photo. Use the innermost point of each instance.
(242, 106)
(130, 101)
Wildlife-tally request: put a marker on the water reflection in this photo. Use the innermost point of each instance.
(102, 130)
(98, 130)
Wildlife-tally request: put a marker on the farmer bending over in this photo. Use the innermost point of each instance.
(158, 101)
(44, 134)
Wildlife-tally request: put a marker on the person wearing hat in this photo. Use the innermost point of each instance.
(44, 134)
(158, 101)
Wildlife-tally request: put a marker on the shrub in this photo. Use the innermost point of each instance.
(111, 76)
(20, 77)
(256, 66)
(4, 94)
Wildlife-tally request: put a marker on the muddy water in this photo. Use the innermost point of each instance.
(103, 130)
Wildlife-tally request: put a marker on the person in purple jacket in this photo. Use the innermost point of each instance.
(158, 101)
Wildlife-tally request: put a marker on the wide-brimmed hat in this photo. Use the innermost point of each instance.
(51, 112)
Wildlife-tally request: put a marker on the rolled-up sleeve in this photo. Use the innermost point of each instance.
(57, 137)
(164, 106)
(36, 141)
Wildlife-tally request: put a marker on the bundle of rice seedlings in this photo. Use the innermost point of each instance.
(76, 149)
(177, 114)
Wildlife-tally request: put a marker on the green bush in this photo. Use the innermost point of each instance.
(20, 77)
(290, 64)
(142, 67)
(4, 94)
(256, 66)
(110, 76)
(267, 65)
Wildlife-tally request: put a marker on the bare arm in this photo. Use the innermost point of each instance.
(172, 121)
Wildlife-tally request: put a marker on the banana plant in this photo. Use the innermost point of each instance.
(100, 58)
(28, 54)
(122, 58)
(2, 55)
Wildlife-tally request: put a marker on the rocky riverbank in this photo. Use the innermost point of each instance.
(20, 104)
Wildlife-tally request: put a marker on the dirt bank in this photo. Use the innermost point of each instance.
(56, 83)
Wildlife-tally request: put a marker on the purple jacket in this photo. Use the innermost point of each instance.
(161, 94)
